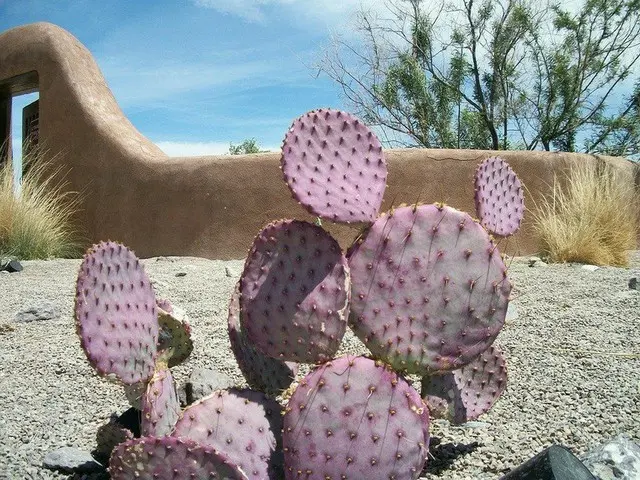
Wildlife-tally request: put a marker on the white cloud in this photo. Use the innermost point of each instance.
(197, 149)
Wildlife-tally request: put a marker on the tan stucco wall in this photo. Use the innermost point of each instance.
(205, 206)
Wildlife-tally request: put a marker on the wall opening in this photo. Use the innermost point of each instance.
(24, 133)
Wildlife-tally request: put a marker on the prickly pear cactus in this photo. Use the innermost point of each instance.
(465, 394)
(429, 289)
(498, 196)
(334, 166)
(295, 292)
(169, 458)
(160, 405)
(116, 315)
(236, 424)
(355, 418)
(262, 372)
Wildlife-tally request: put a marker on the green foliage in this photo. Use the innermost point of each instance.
(250, 145)
(510, 73)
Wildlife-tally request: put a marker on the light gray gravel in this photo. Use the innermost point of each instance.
(570, 381)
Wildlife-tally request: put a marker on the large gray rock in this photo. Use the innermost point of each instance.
(71, 459)
(201, 383)
(618, 459)
(40, 311)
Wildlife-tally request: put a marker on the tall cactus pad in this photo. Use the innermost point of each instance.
(355, 418)
(334, 166)
(262, 372)
(234, 424)
(174, 339)
(295, 292)
(467, 393)
(498, 196)
(116, 315)
(429, 289)
(170, 458)
(160, 405)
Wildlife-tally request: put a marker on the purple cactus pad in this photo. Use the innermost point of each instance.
(174, 338)
(295, 292)
(467, 393)
(355, 418)
(235, 423)
(334, 166)
(498, 197)
(170, 458)
(262, 372)
(116, 315)
(429, 289)
(160, 405)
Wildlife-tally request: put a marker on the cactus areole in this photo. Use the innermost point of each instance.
(429, 289)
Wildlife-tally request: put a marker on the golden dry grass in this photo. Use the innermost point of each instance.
(36, 224)
(591, 217)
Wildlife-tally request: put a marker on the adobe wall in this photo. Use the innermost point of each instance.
(206, 206)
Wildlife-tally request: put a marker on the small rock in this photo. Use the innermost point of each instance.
(536, 262)
(227, 272)
(512, 312)
(181, 274)
(590, 268)
(40, 311)
(617, 459)
(10, 266)
(201, 383)
(633, 283)
(71, 459)
(475, 424)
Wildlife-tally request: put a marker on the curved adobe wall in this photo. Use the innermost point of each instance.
(203, 206)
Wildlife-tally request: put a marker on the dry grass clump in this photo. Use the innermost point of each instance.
(36, 223)
(590, 218)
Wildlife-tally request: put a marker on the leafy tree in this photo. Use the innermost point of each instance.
(492, 73)
(250, 145)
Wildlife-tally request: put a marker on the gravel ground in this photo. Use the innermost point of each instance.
(571, 378)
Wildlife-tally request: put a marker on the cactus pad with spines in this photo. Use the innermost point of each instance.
(295, 292)
(467, 393)
(355, 418)
(429, 289)
(262, 372)
(160, 405)
(236, 424)
(116, 315)
(498, 197)
(174, 338)
(170, 458)
(334, 166)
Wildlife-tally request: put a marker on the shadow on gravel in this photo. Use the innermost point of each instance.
(442, 455)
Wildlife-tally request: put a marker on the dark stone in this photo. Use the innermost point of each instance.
(553, 463)
(201, 383)
(11, 266)
(633, 283)
(71, 459)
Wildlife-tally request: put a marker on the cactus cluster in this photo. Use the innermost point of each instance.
(423, 286)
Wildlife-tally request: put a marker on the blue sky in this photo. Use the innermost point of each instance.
(195, 75)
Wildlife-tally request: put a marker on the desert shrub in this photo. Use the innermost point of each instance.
(36, 221)
(590, 216)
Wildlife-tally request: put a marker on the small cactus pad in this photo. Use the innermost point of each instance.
(355, 418)
(334, 166)
(174, 338)
(429, 289)
(498, 197)
(160, 405)
(236, 424)
(116, 315)
(295, 292)
(170, 458)
(109, 436)
(262, 372)
(467, 393)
